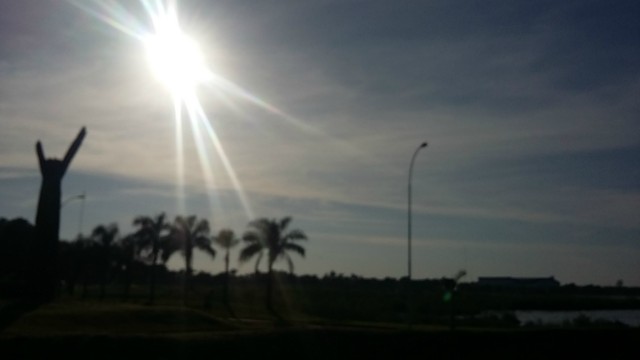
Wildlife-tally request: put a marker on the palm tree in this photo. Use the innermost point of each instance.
(226, 240)
(149, 236)
(105, 237)
(126, 260)
(87, 262)
(272, 236)
(191, 234)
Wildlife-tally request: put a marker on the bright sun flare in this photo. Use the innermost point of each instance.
(178, 63)
(175, 59)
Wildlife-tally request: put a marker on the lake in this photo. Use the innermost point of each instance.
(627, 317)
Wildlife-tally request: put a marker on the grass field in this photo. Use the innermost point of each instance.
(107, 330)
(313, 321)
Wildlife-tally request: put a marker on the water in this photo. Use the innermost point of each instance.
(627, 317)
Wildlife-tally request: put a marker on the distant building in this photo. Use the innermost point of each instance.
(537, 283)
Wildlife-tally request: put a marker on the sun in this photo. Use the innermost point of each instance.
(175, 58)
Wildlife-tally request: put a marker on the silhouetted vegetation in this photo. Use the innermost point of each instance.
(189, 233)
(227, 240)
(133, 268)
(120, 275)
(151, 244)
(273, 237)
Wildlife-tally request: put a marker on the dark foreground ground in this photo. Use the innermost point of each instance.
(334, 342)
(70, 329)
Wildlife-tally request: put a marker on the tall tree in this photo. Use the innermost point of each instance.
(226, 240)
(44, 278)
(105, 236)
(191, 233)
(150, 237)
(272, 237)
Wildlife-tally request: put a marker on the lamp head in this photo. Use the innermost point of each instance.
(423, 145)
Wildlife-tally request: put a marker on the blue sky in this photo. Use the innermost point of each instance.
(530, 110)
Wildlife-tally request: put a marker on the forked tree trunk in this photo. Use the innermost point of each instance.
(43, 277)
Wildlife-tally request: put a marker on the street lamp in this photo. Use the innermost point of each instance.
(70, 198)
(413, 159)
(82, 197)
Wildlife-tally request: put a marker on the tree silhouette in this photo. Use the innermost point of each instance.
(149, 236)
(16, 241)
(105, 236)
(87, 254)
(190, 234)
(273, 237)
(125, 258)
(451, 287)
(44, 278)
(226, 240)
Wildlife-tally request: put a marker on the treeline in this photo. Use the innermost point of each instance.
(107, 257)
(132, 267)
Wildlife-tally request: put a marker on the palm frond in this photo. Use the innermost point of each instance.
(261, 225)
(143, 239)
(141, 221)
(258, 261)
(179, 220)
(209, 250)
(226, 239)
(204, 243)
(250, 251)
(284, 222)
(201, 228)
(252, 237)
(159, 222)
(105, 234)
(294, 247)
(190, 221)
(168, 246)
(296, 235)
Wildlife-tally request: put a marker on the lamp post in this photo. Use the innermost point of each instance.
(82, 197)
(413, 159)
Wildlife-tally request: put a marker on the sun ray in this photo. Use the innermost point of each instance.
(228, 87)
(203, 157)
(178, 63)
(215, 80)
(114, 15)
(226, 163)
(180, 195)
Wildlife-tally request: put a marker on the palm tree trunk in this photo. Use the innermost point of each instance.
(152, 280)
(128, 278)
(225, 293)
(105, 273)
(270, 286)
(187, 277)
